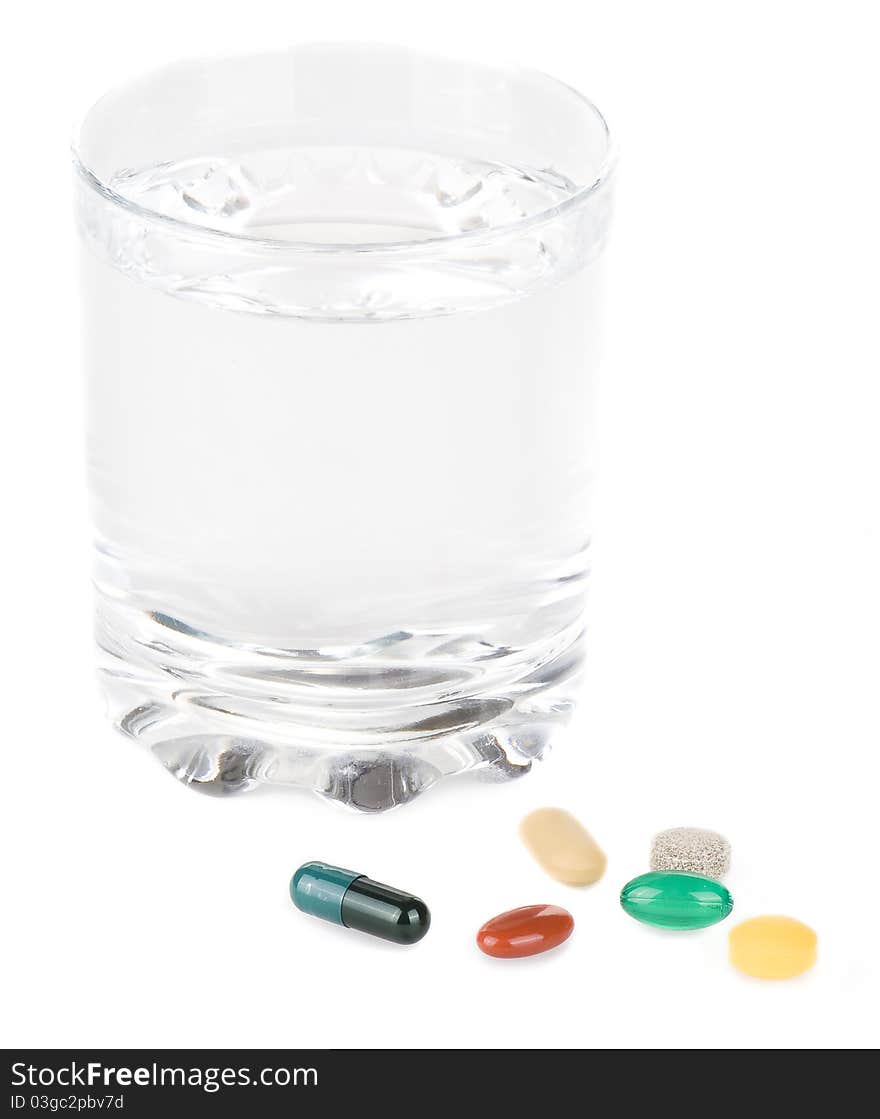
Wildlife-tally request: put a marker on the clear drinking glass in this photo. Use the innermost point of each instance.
(341, 325)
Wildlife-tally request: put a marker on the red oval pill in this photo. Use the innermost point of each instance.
(525, 931)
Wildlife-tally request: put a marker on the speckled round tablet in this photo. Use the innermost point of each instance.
(695, 850)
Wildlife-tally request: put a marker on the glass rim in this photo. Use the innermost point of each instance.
(412, 245)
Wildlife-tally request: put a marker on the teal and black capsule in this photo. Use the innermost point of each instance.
(356, 902)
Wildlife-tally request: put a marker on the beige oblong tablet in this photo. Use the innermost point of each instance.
(563, 847)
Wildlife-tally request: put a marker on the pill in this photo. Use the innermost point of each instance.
(695, 850)
(356, 902)
(673, 900)
(563, 847)
(772, 947)
(525, 931)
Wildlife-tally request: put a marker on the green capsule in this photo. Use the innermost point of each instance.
(347, 898)
(673, 900)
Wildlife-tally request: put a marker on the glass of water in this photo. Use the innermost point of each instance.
(341, 337)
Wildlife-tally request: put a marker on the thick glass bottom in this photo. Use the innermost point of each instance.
(370, 727)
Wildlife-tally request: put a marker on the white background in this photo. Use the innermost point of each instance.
(733, 677)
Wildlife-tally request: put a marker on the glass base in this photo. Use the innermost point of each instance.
(370, 727)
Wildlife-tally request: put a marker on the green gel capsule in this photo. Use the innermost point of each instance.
(356, 902)
(673, 900)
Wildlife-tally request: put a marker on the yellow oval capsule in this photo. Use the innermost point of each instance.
(772, 947)
(563, 847)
